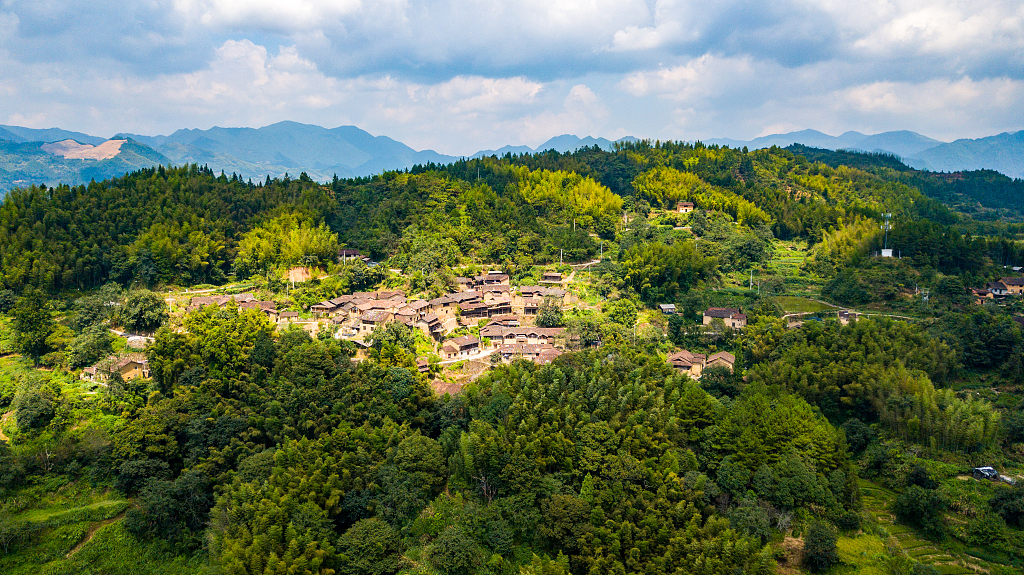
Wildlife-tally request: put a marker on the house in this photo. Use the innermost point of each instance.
(504, 320)
(464, 346)
(347, 254)
(538, 353)
(288, 316)
(721, 359)
(732, 317)
(433, 325)
(694, 364)
(500, 335)
(687, 362)
(1014, 286)
(845, 317)
(551, 277)
(997, 288)
(491, 279)
(373, 318)
(129, 366)
(422, 365)
(684, 207)
(540, 291)
(980, 295)
(668, 308)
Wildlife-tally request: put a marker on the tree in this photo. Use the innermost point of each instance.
(820, 551)
(7, 300)
(922, 508)
(623, 312)
(33, 324)
(370, 546)
(143, 310)
(454, 552)
(549, 313)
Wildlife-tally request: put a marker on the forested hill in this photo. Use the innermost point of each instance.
(183, 225)
(195, 378)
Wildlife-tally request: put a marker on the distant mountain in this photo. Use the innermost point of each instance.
(49, 135)
(289, 147)
(25, 163)
(564, 144)
(1003, 153)
(902, 143)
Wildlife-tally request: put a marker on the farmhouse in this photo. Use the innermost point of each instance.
(732, 317)
(464, 346)
(684, 207)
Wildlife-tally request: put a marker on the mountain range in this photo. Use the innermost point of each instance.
(54, 155)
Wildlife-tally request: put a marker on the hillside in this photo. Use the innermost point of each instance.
(26, 163)
(193, 377)
(1003, 153)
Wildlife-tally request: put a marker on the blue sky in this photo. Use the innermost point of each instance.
(462, 75)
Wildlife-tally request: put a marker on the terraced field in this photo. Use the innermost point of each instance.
(877, 499)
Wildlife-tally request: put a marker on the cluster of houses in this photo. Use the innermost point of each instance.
(998, 289)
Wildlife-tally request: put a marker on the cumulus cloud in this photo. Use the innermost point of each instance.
(463, 74)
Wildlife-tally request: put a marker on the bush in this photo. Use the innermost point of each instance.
(849, 521)
(922, 508)
(454, 552)
(820, 551)
(370, 546)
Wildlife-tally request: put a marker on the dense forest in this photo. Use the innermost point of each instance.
(251, 448)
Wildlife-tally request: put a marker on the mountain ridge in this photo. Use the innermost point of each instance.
(289, 147)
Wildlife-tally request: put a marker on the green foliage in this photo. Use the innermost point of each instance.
(370, 546)
(33, 324)
(454, 552)
(922, 508)
(820, 552)
(287, 240)
(142, 311)
(659, 273)
(549, 313)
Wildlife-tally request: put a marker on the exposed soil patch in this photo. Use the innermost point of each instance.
(442, 387)
(3, 421)
(72, 150)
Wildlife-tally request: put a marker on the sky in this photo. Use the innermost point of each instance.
(459, 76)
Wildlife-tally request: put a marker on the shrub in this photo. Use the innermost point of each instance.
(820, 551)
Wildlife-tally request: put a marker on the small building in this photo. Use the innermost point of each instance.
(733, 318)
(997, 288)
(551, 277)
(1014, 286)
(668, 308)
(422, 365)
(887, 253)
(288, 317)
(347, 254)
(687, 362)
(373, 318)
(721, 359)
(980, 295)
(684, 207)
(129, 366)
(845, 316)
(464, 346)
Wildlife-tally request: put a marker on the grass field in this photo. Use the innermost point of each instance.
(794, 304)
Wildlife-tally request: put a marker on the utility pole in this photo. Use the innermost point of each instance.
(886, 227)
(751, 286)
(560, 256)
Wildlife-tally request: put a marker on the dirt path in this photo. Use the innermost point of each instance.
(92, 531)
(3, 420)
